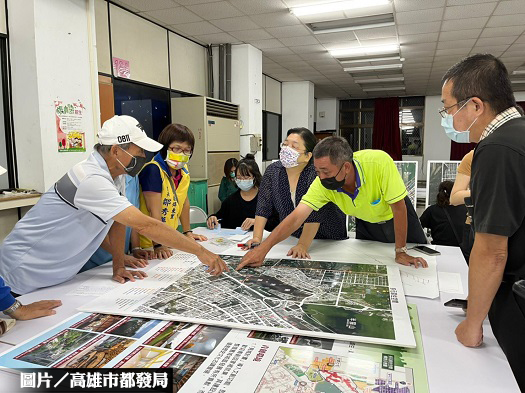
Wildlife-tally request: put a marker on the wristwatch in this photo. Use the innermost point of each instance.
(16, 305)
(401, 249)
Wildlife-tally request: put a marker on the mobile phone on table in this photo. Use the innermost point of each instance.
(460, 303)
(427, 250)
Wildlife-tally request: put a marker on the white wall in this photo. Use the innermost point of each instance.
(330, 107)
(298, 105)
(246, 90)
(50, 60)
(143, 44)
(436, 144)
(102, 30)
(187, 65)
(519, 95)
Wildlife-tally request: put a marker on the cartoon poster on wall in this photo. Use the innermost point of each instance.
(121, 68)
(70, 119)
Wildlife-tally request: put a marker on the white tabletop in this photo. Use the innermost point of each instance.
(451, 367)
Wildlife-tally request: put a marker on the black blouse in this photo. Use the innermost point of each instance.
(234, 210)
(274, 195)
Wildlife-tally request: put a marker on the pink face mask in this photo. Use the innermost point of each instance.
(288, 157)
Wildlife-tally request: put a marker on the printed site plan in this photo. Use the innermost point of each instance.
(346, 301)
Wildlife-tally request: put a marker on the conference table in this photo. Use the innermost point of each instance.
(451, 367)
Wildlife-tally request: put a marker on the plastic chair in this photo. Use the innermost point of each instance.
(197, 216)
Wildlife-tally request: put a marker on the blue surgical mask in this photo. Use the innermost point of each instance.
(457, 136)
(244, 185)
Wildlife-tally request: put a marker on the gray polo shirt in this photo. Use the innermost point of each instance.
(67, 225)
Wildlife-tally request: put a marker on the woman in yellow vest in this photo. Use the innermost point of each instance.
(164, 183)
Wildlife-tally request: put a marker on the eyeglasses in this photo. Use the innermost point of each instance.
(178, 150)
(444, 111)
(285, 144)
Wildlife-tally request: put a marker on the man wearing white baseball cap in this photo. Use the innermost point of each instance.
(68, 224)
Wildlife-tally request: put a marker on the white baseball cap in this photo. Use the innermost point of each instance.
(2, 170)
(125, 129)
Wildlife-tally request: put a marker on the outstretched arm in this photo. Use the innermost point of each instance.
(283, 230)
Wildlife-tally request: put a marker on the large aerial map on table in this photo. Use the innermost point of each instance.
(324, 299)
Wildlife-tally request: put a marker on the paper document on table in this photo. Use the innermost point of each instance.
(95, 286)
(450, 282)
(421, 282)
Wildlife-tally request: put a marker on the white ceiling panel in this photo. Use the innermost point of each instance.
(197, 28)
(283, 59)
(296, 41)
(251, 35)
(258, 7)
(190, 2)
(418, 38)
(419, 28)
(217, 38)
(216, 10)
(408, 5)
(275, 19)
(265, 44)
(509, 7)
(148, 5)
(456, 44)
(453, 35)
(464, 24)
(235, 24)
(492, 41)
(419, 16)
(308, 48)
(175, 16)
(508, 31)
(457, 51)
(288, 31)
(378, 32)
(276, 51)
(506, 20)
(469, 11)
(336, 37)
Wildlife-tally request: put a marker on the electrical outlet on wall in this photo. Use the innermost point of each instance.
(255, 142)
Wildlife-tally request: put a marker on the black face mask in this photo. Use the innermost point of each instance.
(331, 183)
(135, 165)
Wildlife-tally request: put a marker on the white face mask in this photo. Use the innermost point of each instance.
(457, 136)
(288, 157)
(244, 185)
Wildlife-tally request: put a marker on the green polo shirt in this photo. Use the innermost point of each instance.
(379, 185)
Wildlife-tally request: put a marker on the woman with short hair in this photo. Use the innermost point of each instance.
(164, 183)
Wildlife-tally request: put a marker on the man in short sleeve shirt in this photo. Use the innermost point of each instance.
(68, 224)
(366, 185)
(478, 97)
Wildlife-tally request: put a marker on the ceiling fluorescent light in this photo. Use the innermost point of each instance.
(365, 50)
(335, 6)
(518, 81)
(350, 24)
(383, 80)
(518, 72)
(351, 28)
(369, 59)
(373, 68)
(385, 88)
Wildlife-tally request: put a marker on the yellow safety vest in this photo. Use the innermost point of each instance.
(172, 200)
